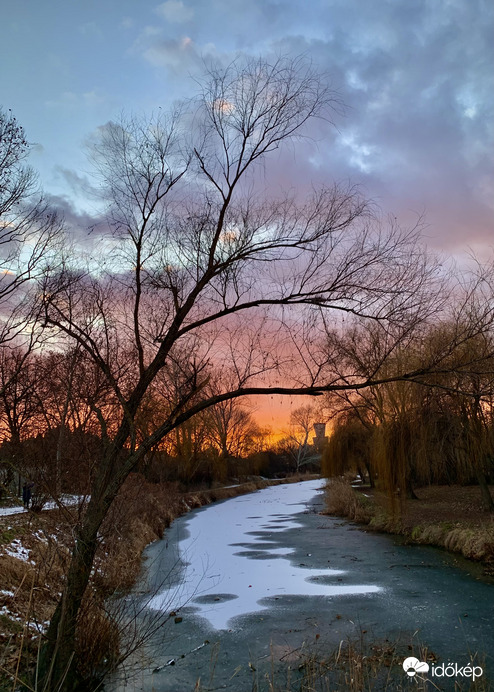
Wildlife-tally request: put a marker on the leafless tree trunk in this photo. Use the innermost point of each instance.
(302, 419)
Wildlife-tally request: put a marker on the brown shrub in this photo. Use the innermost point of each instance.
(474, 543)
(97, 641)
(343, 501)
(14, 572)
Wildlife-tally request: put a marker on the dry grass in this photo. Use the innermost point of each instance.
(356, 665)
(139, 515)
(343, 501)
(98, 640)
(474, 543)
(30, 588)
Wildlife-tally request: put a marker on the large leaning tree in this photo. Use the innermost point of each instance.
(207, 269)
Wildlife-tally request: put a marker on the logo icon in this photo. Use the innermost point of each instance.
(412, 665)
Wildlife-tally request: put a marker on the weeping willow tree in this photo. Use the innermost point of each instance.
(385, 445)
(348, 449)
(442, 438)
(379, 429)
(469, 390)
(436, 430)
(478, 444)
(437, 442)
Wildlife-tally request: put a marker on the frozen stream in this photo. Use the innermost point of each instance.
(232, 564)
(264, 574)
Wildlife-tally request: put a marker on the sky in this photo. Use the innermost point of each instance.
(416, 79)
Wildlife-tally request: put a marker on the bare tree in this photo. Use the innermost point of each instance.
(230, 423)
(453, 360)
(302, 421)
(194, 255)
(18, 411)
(29, 231)
(469, 389)
(231, 426)
(67, 397)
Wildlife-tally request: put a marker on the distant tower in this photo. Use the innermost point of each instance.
(320, 438)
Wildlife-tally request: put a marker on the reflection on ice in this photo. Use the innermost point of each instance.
(233, 539)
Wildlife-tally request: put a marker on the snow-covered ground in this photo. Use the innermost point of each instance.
(232, 564)
(67, 500)
(17, 550)
(7, 511)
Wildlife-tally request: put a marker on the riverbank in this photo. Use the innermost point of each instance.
(449, 517)
(266, 594)
(35, 549)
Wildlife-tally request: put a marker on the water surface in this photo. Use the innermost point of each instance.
(264, 576)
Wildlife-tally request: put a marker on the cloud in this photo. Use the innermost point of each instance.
(175, 12)
(79, 184)
(37, 148)
(416, 78)
(176, 54)
(418, 85)
(126, 23)
(87, 229)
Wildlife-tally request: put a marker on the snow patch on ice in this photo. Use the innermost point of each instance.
(229, 551)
